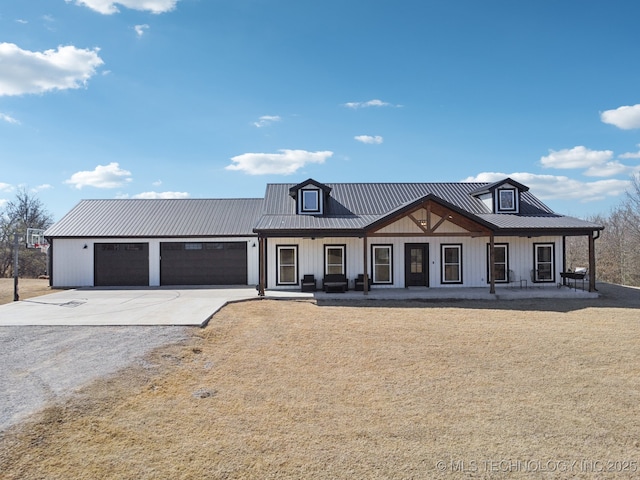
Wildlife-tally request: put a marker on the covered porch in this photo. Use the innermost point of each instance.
(438, 294)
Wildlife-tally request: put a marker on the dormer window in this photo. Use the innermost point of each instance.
(501, 197)
(310, 201)
(507, 200)
(310, 196)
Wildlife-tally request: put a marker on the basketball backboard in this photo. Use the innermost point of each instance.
(35, 238)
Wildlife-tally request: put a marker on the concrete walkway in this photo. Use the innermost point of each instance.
(195, 306)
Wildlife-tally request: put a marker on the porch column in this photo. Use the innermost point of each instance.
(492, 265)
(592, 263)
(365, 287)
(262, 265)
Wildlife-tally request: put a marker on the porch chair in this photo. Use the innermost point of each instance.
(513, 279)
(308, 283)
(358, 284)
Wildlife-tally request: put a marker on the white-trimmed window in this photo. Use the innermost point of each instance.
(501, 262)
(451, 259)
(544, 263)
(507, 199)
(287, 269)
(382, 262)
(335, 259)
(310, 201)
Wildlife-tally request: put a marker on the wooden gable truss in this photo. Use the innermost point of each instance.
(431, 218)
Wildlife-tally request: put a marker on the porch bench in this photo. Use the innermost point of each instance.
(334, 282)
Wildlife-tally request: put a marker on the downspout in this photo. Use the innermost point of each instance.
(564, 258)
(592, 261)
(50, 261)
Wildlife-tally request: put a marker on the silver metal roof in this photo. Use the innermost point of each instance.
(381, 198)
(350, 207)
(159, 218)
(538, 222)
(354, 206)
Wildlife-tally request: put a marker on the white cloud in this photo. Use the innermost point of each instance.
(20, 20)
(576, 157)
(6, 118)
(552, 187)
(108, 7)
(377, 140)
(6, 188)
(598, 163)
(157, 183)
(371, 103)
(140, 29)
(161, 195)
(40, 188)
(103, 176)
(626, 117)
(266, 120)
(286, 162)
(630, 154)
(611, 169)
(24, 71)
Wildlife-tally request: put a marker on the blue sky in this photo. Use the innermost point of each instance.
(216, 98)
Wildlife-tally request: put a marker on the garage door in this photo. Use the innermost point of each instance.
(203, 263)
(121, 264)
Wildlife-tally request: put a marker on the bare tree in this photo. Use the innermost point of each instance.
(618, 249)
(25, 211)
(632, 207)
(612, 250)
(577, 252)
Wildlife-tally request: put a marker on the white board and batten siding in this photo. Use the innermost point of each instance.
(474, 257)
(73, 264)
(311, 257)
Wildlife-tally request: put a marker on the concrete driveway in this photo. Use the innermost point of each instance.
(123, 306)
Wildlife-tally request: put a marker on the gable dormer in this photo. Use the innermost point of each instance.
(501, 197)
(310, 197)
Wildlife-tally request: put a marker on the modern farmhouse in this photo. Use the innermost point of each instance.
(369, 235)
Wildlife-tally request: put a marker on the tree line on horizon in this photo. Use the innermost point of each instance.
(618, 248)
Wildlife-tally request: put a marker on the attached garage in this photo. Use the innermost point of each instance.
(203, 263)
(121, 264)
(156, 242)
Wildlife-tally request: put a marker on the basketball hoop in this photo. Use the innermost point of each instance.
(35, 239)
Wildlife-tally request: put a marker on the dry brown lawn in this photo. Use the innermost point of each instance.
(275, 389)
(27, 288)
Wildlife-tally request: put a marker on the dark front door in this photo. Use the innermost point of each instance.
(416, 261)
